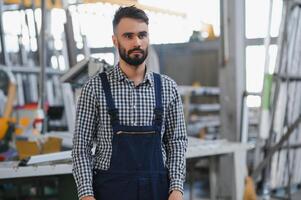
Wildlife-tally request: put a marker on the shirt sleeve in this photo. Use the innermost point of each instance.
(85, 128)
(175, 139)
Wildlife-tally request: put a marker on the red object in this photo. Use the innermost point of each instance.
(2, 158)
(36, 121)
(31, 106)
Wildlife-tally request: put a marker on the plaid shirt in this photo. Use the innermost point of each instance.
(135, 105)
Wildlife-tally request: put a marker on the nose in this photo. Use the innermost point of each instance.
(137, 41)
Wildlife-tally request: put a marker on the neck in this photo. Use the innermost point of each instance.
(134, 73)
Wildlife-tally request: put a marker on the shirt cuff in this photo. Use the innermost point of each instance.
(85, 191)
(177, 184)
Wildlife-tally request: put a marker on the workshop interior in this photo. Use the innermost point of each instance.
(236, 63)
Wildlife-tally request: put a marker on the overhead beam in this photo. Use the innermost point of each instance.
(58, 4)
(138, 5)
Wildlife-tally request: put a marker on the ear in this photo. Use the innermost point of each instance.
(114, 39)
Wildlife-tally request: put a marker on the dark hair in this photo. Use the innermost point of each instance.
(129, 12)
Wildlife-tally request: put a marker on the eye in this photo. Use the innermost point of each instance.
(128, 35)
(142, 35)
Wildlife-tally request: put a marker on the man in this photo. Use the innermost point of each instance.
(136, 120)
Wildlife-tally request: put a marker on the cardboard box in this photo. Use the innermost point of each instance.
(29, 148)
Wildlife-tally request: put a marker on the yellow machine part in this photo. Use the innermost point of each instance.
(3, 127)
(8, 108)
(24, 121)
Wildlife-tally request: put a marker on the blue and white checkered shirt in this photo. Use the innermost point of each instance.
(135, 105)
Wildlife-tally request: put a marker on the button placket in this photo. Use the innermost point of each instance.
(133, 106)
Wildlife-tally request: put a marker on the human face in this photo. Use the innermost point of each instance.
(131, 39)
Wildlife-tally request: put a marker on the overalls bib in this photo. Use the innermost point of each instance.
(136, 169)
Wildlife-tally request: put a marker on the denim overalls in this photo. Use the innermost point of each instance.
(136, 170)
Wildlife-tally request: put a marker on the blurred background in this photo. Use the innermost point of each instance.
(238, 69)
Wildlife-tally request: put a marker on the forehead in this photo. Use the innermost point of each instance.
(131, 26)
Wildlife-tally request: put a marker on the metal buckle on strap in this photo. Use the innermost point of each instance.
(158, 114)
(113, 115)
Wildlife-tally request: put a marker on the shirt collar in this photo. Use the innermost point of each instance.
(119, 75)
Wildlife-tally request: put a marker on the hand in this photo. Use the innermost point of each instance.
(175, 195)
(88, 198)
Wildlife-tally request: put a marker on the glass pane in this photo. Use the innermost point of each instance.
(58, 19)
(11, 43)
(256, 18)
(163, 28)
(12, 23)
(253, 101)
(196, 15)
(101, 16)
(207, 12)
(257, 13)
(276, 17)
(254, 68)
(255, 58)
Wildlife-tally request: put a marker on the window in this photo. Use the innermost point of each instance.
(257, 12)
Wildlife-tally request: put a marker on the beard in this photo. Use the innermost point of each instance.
(136, 59)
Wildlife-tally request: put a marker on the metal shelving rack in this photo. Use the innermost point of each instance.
(207, 113)
(281, 150)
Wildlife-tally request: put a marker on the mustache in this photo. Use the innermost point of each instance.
(136, 49)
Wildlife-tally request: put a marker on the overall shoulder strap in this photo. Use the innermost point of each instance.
(109, 98)
(158, 96)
